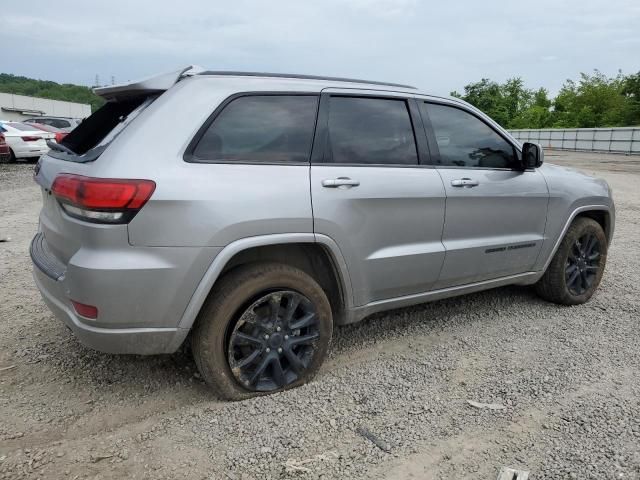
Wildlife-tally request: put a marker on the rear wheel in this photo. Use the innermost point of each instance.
(577, 267)
(10, 159)
(265, 328)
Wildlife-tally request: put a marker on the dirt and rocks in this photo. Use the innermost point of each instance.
(452, 389)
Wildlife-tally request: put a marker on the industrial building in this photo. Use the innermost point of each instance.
(21, 107)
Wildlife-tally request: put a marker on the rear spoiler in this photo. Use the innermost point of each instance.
(146, 86)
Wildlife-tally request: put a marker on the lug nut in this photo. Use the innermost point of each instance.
(266, 337)
(279, 350)
(286, 337)
(277, 329)
(268, 349)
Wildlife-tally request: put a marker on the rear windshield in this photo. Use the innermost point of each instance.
(101, 127)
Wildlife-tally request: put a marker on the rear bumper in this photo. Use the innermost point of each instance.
(140, 341)
(139, 308)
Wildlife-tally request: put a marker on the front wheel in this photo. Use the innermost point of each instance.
(265, 328)
(577, 267)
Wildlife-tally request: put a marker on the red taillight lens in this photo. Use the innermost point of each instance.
(106, 200)
(60, 136)
(2, 141)
(84, 310)
(30, 138)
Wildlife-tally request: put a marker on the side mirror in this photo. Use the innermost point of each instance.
(532, 155)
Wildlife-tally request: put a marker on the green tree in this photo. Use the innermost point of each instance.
(504, 103)
(46, 89)
(595, 100)
(631, 92)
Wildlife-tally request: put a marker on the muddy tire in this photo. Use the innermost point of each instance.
(264, 328)
(577, 267)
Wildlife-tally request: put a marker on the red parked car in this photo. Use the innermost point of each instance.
(5, 154)
(60, 134)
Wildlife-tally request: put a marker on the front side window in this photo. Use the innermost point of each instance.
(266, 128)
(466, 141)
(370, 131)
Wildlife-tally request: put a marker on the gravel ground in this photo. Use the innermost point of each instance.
(391, 401)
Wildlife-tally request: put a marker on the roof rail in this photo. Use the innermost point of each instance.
(303, 77)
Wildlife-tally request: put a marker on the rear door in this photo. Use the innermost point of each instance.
(495, 212)
(374, 193)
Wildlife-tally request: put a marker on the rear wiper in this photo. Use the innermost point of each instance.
(59, 148)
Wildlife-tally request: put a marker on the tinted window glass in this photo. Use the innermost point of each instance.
(59, 123)
(273, 128)
(466, 141)
(370, 131)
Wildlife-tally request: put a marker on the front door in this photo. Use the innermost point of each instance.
(495, 212)
(374, 196)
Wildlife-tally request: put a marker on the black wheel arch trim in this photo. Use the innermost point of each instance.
(610, 216)
(225, 255)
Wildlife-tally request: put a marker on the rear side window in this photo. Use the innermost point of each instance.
(261, 128)
(466, 141)
(370, 131)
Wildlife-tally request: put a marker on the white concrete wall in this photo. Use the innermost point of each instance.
(30, 105)
(614, 140)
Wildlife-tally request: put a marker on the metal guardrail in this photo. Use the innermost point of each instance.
(613, 140)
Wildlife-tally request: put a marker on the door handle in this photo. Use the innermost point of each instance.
(340, 182)
(465, 182)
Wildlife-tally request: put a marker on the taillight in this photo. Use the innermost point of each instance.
(101, 200)
(30, 138)
(2, 141)
(60, 136)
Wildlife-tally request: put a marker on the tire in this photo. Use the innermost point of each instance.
(229, 315)
(558, 284)
(10, 159)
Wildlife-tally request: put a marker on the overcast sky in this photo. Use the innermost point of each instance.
(437, 46)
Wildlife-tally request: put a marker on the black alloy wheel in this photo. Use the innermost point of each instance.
(583, 263)
(273, 341)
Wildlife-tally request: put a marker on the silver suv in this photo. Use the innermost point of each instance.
(253, 212)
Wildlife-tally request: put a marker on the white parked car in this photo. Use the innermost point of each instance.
(25, 142)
